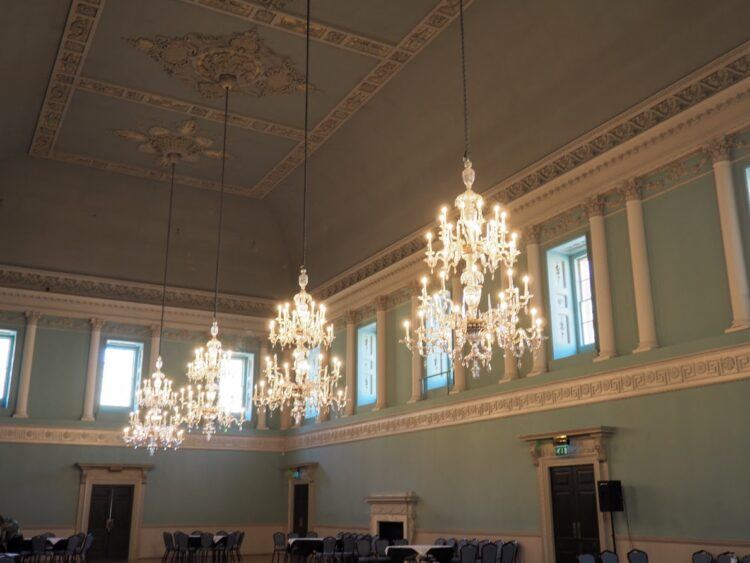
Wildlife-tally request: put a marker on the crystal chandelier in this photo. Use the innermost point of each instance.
(302, 327)
(474, 247)
(202, 398)
(156, 419)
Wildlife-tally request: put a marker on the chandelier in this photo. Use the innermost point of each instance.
(155, 421)
(473, 247)
(202, 398)
(302, 327)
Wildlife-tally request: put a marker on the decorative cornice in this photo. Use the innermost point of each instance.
(706, 368)
(532, 234)
(721, 148)
(32, 318)
(412, 44)
(595, 206)
(631, 190)
(89, 286)
(23, 434)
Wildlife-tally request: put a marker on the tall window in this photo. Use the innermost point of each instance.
(236, 384)
(438, 365)
(7, 348)
(571, 301)
(313, 360)
(366, 364)
(120, 374)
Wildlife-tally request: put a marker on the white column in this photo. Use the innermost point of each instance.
(27, 360)
(510, 371)
(417, 362)
(534, 264)
(459, 371)
(262, 412)
(731, 235)
(381, 401)
(351, 363)
(91, 370)
(602, 294)
(154, 352)
(644, 302)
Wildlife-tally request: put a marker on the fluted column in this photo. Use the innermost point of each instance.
(731, 235)
(262, 412)
(459, 371)
(27, 360)
(91, 370)
(381, 401)
(417, 362)
(644, 302)
(602, 293)
(350, 368)
(154, 352)
(510, 371)
(534, 264)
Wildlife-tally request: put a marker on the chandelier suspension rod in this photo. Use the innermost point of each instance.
(221, 199)
(166, 258)
(307, 112)
(464, 82)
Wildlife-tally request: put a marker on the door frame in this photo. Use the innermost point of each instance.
(108, 474)
(588, 446)
(301, 474)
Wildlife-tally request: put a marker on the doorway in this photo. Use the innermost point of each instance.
(574, 512)
(110, 514)
(301, 508)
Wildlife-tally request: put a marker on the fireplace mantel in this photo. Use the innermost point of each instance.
(394, 507)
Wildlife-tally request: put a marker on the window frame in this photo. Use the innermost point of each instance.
(7, 378)
(371, 398)
(446, 374)
(128, 345)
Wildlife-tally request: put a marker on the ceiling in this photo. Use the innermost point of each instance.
(102, 87)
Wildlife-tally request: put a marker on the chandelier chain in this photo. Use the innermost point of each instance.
(307, 117)
(166, 258)
(464, 73)
(221, 200)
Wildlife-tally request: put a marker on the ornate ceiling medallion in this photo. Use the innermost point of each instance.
(182, 142)
(200, 60)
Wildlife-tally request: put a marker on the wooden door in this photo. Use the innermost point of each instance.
(574, 512)
(110, 516)
(301, 497)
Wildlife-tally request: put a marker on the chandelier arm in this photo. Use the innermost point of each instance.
(464, 82)
(166, 258)
(307, 117)
(221, 200)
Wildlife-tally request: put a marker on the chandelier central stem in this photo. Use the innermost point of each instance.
(307, 120)
(166, 256)
(226, 85)
(464, 82)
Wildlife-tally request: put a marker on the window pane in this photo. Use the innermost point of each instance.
(366, 364)
(6, 355)
(588, 333)
(121, 362)
(231, 385)
(313, 359)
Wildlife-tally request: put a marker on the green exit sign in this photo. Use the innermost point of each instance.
(562, 449)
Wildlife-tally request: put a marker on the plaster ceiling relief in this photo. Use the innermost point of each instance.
(199, 60)
(182, 141)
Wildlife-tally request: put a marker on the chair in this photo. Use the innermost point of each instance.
(205, 545)
(238, 546)
(468, 553)
(182, 544)
(402, 541)
(608, 556)
(727, 557)
(348, 546)
(586, 558)
(226, 549)
(702, 556)
(363, 549)
(379, 546)
(279, 547)
(222, 533)
(637, 556)
(86, 546)
(38, 549)
(71, 549)
(328, 554)
(488, 554)
(509, 552)
(169, 548)
(440, 541)
(745, 559)
(292, 535)
(311, 535)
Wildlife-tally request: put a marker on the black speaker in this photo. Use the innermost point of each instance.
(610, 496)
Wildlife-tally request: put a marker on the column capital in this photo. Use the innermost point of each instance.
(155, 330)
(414, 288)
(96, 324)
(351, 317)
(32, 317)
(595, 206)
(631, 189)
(381, 302)
(720, 149)
(532, 234)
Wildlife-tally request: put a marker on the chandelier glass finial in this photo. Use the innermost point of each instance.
(155, 422)
(301, 326)
(201, 400)
(473, 246)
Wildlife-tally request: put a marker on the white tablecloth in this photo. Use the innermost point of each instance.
(419, 549)
(54, 540)
(291, 541)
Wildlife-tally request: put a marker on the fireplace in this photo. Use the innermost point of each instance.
(391, 530)
(393, 515)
